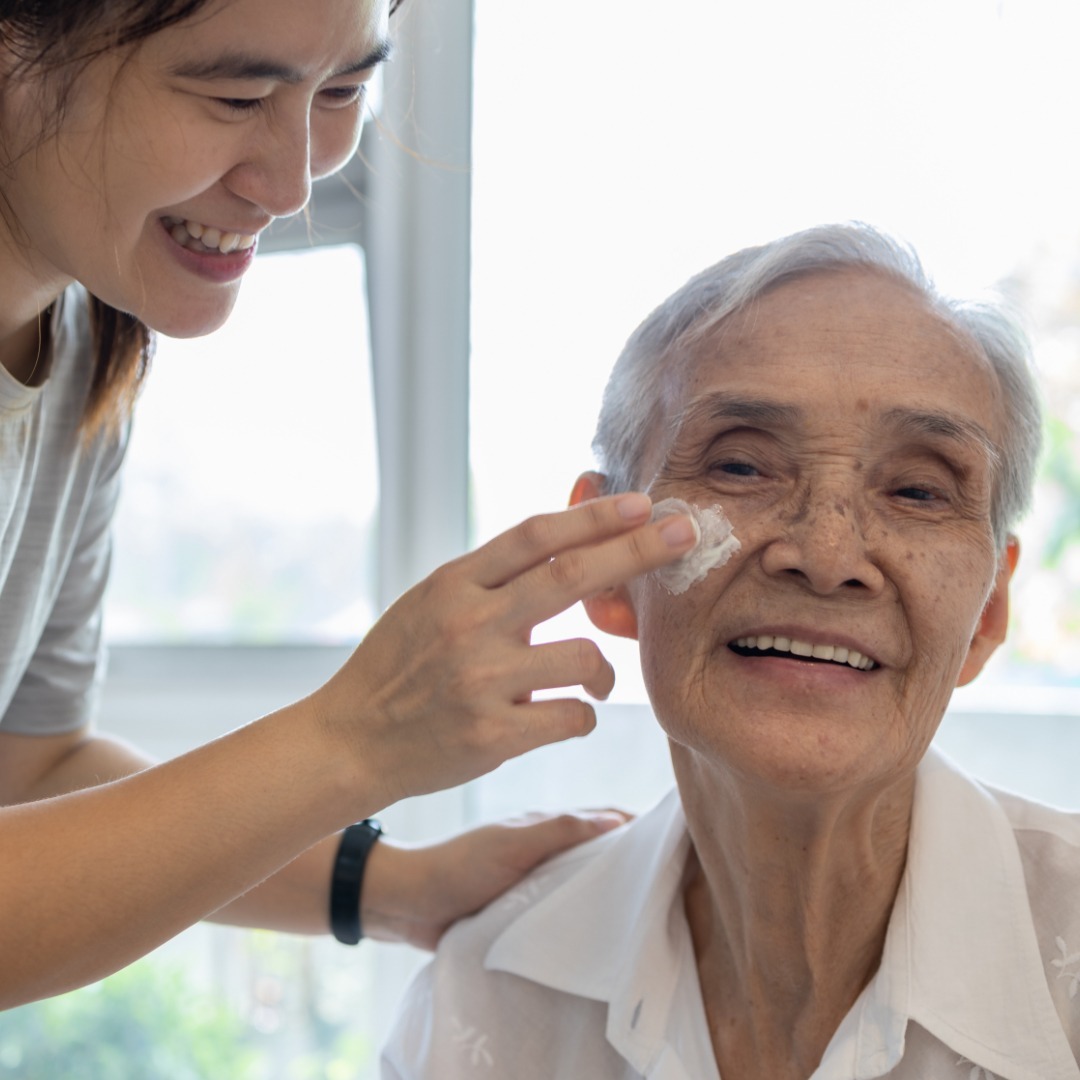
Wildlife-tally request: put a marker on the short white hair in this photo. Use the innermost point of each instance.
(633, 400)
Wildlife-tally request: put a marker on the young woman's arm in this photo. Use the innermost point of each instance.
(411, 893)
(438, 693)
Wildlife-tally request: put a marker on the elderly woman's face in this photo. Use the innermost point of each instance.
(846, 430)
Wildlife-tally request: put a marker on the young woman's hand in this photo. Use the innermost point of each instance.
(441, 689)
(413, 894)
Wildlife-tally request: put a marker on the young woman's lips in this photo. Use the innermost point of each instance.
(209, 263)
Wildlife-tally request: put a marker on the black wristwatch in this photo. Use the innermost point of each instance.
(348, 878)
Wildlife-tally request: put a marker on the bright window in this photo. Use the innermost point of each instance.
(248, 512)
(247, 519)
(622, 150)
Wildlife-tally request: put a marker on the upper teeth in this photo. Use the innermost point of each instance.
(837, 653)
(183, 230)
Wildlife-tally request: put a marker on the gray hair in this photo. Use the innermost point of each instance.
(633, 402)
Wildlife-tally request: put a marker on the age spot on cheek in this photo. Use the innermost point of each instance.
(716, 544)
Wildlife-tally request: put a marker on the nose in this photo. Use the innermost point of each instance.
(276, 173)
(824, 545)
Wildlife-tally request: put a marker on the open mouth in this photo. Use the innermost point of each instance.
(206, 239)
(777, 645)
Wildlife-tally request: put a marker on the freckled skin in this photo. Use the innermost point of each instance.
(848, 521)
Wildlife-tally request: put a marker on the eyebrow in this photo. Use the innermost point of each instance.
(720, 405)
(241, 66)
(763, 412)
(766, 414)
(919, 423)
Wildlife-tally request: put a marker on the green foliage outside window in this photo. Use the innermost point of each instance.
(143, 1023)
(156, 1021)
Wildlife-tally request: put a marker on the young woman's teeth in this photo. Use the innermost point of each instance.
(836, 653)
(205, 238)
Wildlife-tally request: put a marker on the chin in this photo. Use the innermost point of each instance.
(191, 322)
(795, 757)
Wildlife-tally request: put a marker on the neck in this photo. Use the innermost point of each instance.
(27, 294)
(788, 900)
(25, 351)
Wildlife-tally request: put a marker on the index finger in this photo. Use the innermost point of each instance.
(573, 575)
(539, 539)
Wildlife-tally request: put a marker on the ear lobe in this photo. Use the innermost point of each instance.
(610, 610)
(994, 620)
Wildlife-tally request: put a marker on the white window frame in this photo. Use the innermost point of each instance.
(407, 204)
(406, 200)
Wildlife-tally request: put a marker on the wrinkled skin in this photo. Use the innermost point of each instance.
(862, 522)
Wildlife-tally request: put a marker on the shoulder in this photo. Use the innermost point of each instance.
(522, 989)
(459, 1018)
(1048, 842)
(71, 340)
(1048, 839)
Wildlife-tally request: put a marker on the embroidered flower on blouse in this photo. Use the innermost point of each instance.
(977, 1071)
(1065, 961)
(473, 1042)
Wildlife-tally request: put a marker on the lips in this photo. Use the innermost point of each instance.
(757, 645)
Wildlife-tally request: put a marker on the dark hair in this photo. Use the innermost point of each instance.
(60, 37)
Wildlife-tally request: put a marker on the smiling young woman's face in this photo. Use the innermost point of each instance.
(171, 158)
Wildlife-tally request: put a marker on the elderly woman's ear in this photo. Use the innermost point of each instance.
(610, 610)
(994, 621)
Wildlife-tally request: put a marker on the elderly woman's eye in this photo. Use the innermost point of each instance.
(917, 494)
(734, 468)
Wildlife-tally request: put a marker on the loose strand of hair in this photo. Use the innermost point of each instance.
(122, 348)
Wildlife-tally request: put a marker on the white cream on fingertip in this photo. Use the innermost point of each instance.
(716, 543)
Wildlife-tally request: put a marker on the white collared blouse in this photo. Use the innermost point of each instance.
(585, 971)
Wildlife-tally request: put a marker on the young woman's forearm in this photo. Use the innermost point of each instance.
(95, 879)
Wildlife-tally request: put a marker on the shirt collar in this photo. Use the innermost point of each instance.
(961, 956)
(614, 931)
(978, 980)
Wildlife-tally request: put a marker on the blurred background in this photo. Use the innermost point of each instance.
(419, 366)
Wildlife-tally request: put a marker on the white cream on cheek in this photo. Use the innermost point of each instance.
(716, 544)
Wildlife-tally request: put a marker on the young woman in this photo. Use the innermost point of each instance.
(144, 145)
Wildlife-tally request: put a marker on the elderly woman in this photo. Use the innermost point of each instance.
(825, 895)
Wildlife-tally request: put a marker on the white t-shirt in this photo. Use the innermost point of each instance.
(586, 970)
(56, 502)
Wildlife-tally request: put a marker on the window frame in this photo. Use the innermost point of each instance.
(405, 199)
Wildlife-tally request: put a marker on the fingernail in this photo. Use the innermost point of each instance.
(678, 532)
(633, 506)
